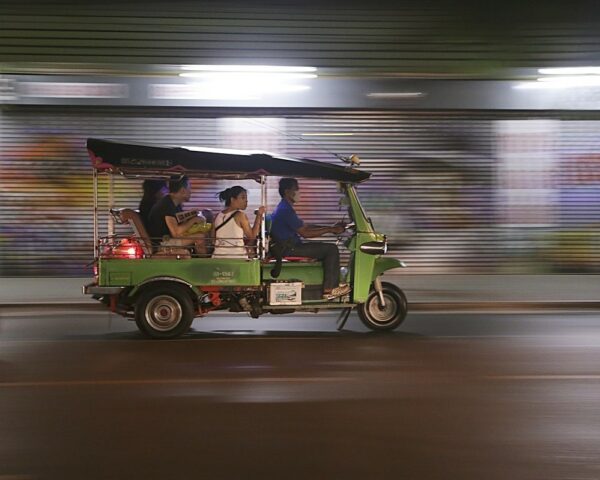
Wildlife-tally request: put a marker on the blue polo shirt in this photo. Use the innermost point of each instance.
(285, 222)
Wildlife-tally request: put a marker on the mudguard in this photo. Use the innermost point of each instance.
(383, 264)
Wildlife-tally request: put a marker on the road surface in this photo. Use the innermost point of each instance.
(481, 396)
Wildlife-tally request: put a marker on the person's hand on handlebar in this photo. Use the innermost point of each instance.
(338, 228)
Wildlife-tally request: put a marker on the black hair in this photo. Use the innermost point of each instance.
(229, 193)
(152, 187)
(177, 183)
(286, 184)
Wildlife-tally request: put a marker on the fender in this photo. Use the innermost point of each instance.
(382, 264)
(165, 279)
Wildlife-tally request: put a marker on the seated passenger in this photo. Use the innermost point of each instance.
(154, 190)
(162, 221)
(231, 226)
(287, 229)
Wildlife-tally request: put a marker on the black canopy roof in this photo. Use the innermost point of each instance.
(138, 159)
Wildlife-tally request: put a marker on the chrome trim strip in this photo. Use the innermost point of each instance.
(374, 248)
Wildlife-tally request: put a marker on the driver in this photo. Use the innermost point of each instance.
(287, 229)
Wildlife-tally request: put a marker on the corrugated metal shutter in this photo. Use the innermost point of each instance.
(454, 191)
(401, 36)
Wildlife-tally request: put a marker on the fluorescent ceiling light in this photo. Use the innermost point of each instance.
(570, 71)
(245, 75)
(252, 82)
(341, 134)
(572, 81)
(395, 94)
(248, 68)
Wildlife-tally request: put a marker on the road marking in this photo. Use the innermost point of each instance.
(173, 381)
(544, 377)
(198, 337)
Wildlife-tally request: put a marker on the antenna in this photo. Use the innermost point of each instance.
(352, 159)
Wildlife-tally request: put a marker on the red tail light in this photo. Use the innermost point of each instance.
(127, 248)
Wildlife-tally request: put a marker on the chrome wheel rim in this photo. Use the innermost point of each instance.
(387, 314)
(163, 313)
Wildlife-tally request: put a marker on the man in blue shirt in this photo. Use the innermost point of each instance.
(287, 229)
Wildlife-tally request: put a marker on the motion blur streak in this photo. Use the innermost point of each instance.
(457, 193)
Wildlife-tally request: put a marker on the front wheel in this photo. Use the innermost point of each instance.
(388, 317)
(164, 311)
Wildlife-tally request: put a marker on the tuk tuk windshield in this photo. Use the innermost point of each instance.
(357, 212)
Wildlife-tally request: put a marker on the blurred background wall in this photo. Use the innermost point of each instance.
(477, 166)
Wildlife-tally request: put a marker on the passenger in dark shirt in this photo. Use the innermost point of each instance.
(288, 229)
(163, 222)
(154, 190)
(157, 224)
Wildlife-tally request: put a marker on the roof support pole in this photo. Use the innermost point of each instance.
(111, 194)
(95, 195)
(263, 229)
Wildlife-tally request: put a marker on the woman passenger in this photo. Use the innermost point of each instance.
(232, 226)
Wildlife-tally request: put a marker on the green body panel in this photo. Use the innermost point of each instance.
(363, 267)
(309, 273)
(383, 264)
(195, 271)
(363, 264)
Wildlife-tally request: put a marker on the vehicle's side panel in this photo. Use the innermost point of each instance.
(311, 273)
(362, 269)
(196, 271)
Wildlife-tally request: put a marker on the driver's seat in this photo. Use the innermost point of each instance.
(275, 253)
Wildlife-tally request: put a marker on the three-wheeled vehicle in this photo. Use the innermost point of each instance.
(164, 287)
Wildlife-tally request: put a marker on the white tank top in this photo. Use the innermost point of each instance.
(229, 239)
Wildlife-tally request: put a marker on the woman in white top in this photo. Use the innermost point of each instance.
(232, 226)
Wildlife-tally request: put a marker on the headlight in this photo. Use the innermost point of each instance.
(374, 248)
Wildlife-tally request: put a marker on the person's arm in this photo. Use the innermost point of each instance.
(258, 220)
(309, 231)
(178, 229)
(312, 231)
(242, 220)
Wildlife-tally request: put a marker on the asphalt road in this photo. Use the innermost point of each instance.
(446, 396)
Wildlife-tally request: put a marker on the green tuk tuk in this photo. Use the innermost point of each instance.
(164, 287)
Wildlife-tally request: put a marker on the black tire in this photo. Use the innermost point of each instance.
(164, 311)
(388, 318)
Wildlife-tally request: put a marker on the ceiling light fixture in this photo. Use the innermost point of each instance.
(253, 75)
(570, 71)
(395, 95)
(248, 68)
(333, 134)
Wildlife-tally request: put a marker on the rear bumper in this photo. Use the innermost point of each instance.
(93, 289)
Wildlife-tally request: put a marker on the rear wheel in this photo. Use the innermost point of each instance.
(388, 317)
(164, 311)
